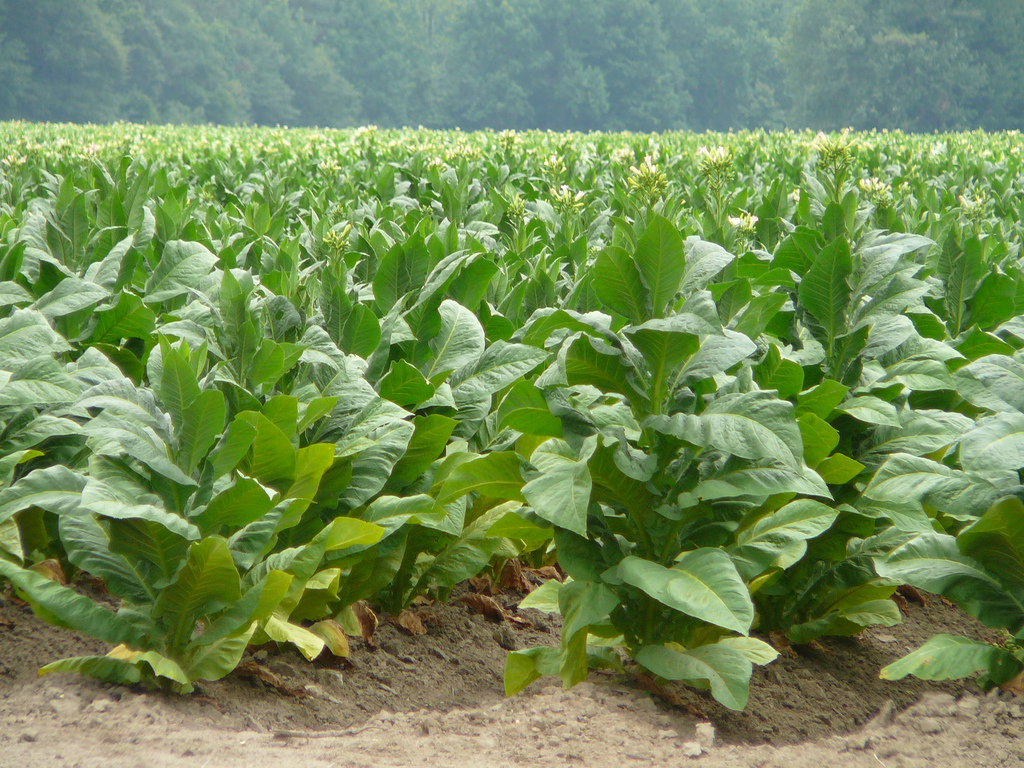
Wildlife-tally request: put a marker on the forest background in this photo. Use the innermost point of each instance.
(640, 65)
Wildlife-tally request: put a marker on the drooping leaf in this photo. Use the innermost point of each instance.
(703, 583)
(947, 657)
(726, 670)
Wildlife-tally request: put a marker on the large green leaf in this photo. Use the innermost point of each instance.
(88, 548)
(995, 382)
(55, 489)
(495, 474)
(561, 494)
(426, 445)
(273, 455)
(716, 355)
(109, 436)
(761, 480)
(819, 438)
(934, 563)
(66, 608)
(501, 365)
(202, 423)
(779, 539)
(525, 410)
(179, 386)
(906, 479)
(25, 335)
(41, 383)
(752, 425)
(71, 295)
(725, 669)
(996, 444)
(236, 506)
(703, 583)
(704, 260)
(619, 286)
(103, 668)
(127, 318)
(946, 657)
(460, 341)
(961, 269)
(996, 541)
(182, 266)
(405, 385)
(206, 584)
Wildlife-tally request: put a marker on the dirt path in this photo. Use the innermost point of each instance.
(435, 700)
(599, 725)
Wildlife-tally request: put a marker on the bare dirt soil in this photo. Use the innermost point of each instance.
(436, 700)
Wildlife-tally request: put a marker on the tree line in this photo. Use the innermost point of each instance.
(638, 65)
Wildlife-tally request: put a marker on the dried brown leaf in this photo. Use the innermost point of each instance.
(367, 621)
(488, 606)
(431, 618)
(781, 644)
(411, 622)
(512, 577)
(1015, 686)
(546, 572)
(51, 570)
(482, 584)
(649, 684)
(911, 593)
(250, 668)
(520, 621)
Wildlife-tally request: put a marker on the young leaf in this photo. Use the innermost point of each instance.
(660, 259)
(824, 290)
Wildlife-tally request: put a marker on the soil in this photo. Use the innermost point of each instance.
(437, 699)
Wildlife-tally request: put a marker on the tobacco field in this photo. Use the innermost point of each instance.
(730, 393)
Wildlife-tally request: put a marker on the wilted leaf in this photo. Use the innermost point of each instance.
(488, 606)
(367, 622)
(411, 622)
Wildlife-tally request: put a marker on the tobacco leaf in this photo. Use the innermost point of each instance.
(367, 621)
(512, 577)
(411, 622)
(51, 569)
(251, 668)
(482, 584)
(485, 605)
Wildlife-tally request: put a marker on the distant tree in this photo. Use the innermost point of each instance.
(74, 53)
(871, 65)
(15, 71)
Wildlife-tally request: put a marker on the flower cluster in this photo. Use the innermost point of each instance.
(835, 153)
(336, 242)
(745, 225)
(878, 192)
(565, 202)
(647, 182)
(716, 166)
(515, 212)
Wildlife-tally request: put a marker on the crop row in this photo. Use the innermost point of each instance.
(250, 379)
